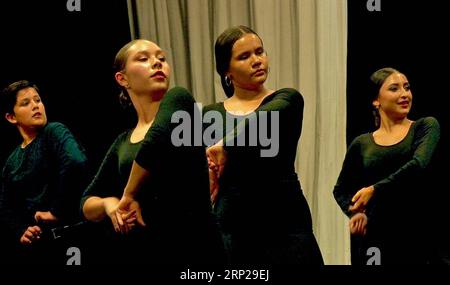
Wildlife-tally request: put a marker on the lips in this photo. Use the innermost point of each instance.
(158, 74)
(37, 114)
(259, 72)
(404, 104)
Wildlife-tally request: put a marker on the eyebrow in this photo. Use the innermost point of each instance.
(158, 52)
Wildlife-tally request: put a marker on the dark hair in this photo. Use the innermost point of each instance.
(119, 65)
(377, 80)
(8, 97)
(223, 48)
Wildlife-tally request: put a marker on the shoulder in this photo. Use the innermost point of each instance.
(360, 140)
(427, 127)
(290, 95)
(55, 126)
(179, 93)
(13, 156)
(56, 130)
(122, 138)
(427, 122)
(213, 107)
(289, 92)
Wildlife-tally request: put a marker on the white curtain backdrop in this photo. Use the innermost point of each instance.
(306, 41)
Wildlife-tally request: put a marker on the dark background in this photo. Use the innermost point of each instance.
(69, 55)
(411, 36)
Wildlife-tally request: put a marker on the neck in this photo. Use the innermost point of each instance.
(389, 124)
(250, 94)
(146, 109)
(28, 135)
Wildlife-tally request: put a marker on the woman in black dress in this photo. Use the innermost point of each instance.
(143, 168)
(263, 216)
(384, 176)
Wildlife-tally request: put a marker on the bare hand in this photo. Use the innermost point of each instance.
(361, 198)
(128, 209)
(358, 224)
(30, 235)
(217, 158)
(45, 217)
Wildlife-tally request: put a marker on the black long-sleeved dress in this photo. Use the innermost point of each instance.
(397, 213)
(49, 174)
(263, 216)
(175, 197)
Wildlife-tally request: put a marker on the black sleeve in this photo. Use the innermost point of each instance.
(426, 138)
(348, 181)
(71, 167)
(107, 177)
(287, 103)
(8, 217)
(159, 136)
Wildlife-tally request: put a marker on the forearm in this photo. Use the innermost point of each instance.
(94, 208)
(137, 177)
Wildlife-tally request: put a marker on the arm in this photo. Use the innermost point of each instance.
(157, 141)
(288, 105)
(348, 181)
(71, 168)
(101, 190)
(13, 221)
(426, 138)
(425, 142)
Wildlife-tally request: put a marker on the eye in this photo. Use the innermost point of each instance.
(243, 56)
(407, 87)
(162, 58)
(142, 58)
(24, 103)
(260, 51)
(393, 88)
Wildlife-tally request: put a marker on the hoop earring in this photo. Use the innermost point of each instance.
(227, 81)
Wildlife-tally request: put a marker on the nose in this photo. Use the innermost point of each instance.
(256, 60)
(405, 92)
(35, 105)
(157, 64)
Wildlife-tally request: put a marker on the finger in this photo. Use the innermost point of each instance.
(131, 220)
(114, 223)
(356, 206)
(25, 240)
(128, 215)
(356, 197)
(35, 230)
(119, 218)
(139, 218)
(29, 235)
(220, 171)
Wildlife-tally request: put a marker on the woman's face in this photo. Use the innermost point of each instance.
(249, 63)
(29, 111)
(146, 69)
(395, 97)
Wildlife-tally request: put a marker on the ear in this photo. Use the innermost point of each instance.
(11, 118)
(121, 79)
